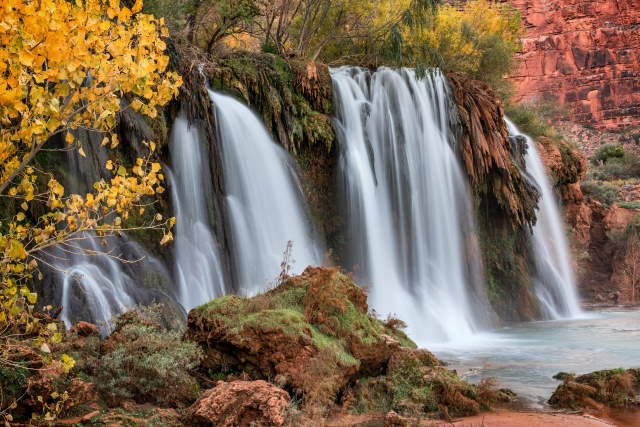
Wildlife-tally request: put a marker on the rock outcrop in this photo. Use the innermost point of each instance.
(505, 201)
(313, 336)
(241, 404)
(616, 388)
(584, 54)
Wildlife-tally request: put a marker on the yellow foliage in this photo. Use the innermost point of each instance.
(66, 65)
(480, 37)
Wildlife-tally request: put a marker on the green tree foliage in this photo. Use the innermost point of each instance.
(479, 40)
(215, 20)
(608, 152)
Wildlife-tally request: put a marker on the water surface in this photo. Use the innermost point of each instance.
(525, 357)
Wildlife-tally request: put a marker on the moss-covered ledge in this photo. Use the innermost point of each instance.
(314, 336)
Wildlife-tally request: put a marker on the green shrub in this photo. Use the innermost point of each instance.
(625, 167)
(608, 152)
(629, 205)
(601, 191)
(530, 119)
(147, 363)
(13, 381)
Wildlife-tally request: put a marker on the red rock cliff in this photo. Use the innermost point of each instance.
(584, 54)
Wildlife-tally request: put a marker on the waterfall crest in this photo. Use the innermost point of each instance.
(198, 269)
(555, 282)
(407, 202)
(264, 203)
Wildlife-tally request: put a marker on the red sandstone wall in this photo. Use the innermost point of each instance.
(584, 54)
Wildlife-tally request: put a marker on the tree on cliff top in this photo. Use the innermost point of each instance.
(67, 66)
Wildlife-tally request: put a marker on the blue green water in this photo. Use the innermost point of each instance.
(525, 357)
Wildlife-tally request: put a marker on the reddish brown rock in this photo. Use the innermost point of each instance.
(584, 54)
(240, 403)
(84, 329)
(80, 392)
(392, 419)
(488, 155)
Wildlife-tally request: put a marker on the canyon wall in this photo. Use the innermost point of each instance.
(585, 55)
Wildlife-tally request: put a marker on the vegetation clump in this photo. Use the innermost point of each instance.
(616, 388)
(608, 152)
(144, 362)
(604, 192)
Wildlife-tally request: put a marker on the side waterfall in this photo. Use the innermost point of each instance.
(406, 198)
(197, 259)
(555, 284)
(263, 199)
(97, 287)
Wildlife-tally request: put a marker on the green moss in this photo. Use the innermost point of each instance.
(324, 342)
(13, 380)
(616, 388)
(291, 322)
(269, 84)
(331, 314)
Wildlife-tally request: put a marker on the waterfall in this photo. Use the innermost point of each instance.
(97, 278)
(264, 203)
(407, 202)
(197, 260)
(96, 287)
(555, 282)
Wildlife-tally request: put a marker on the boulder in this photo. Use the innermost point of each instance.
(84, 329)
(240, 403)
(312, 333)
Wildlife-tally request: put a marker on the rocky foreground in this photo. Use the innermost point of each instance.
(307, 352)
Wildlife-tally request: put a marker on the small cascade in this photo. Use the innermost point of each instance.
(555, 282)
(197, 259)
(407, 203)
(98, 278)
(264, 203)
(97, 287)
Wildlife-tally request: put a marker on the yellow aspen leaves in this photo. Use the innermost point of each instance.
(68, 65)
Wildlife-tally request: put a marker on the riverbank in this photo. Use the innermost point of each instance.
(489, 419)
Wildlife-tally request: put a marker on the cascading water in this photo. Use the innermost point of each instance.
(407, 201)
(263, 199)
(555, 282)
(97, 287)
(197, 260)
(98, 278)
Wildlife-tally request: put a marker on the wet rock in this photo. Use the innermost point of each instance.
(491, 159)
(240, 403)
